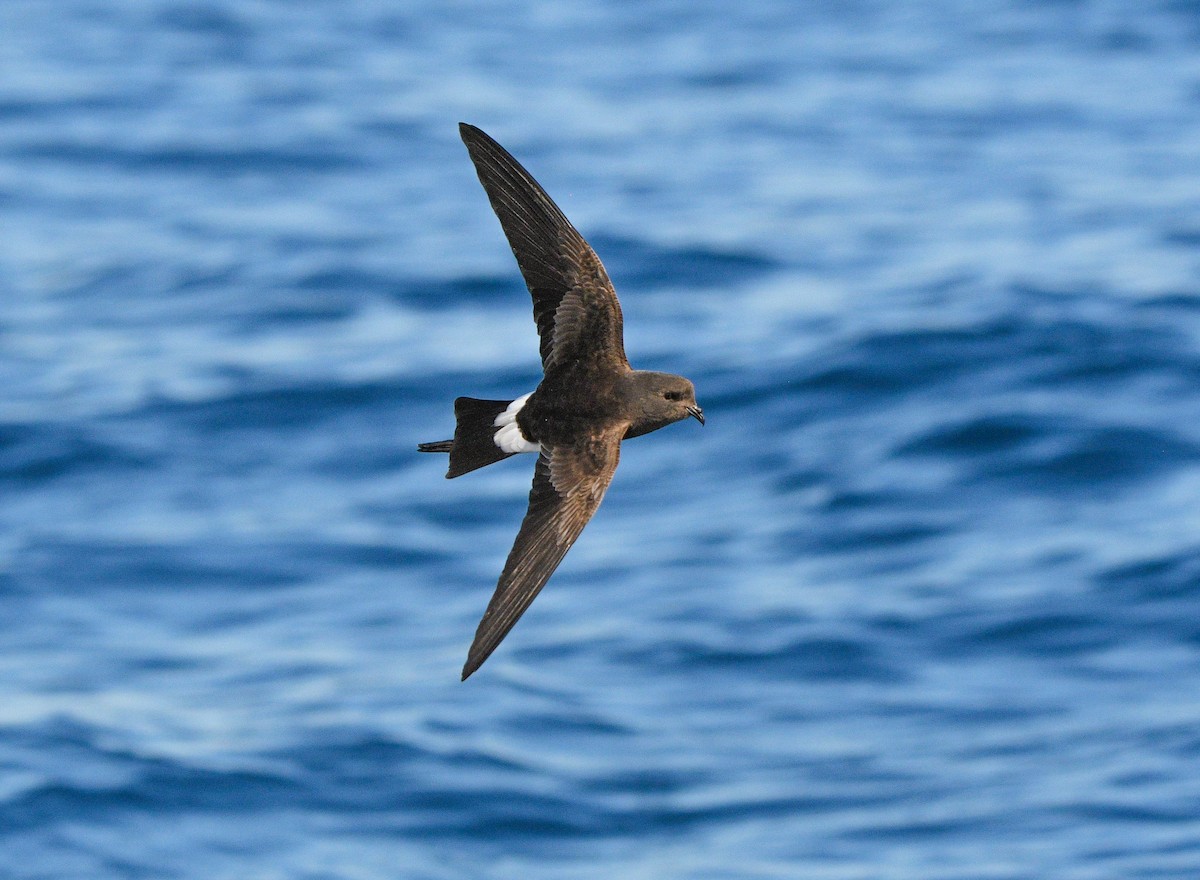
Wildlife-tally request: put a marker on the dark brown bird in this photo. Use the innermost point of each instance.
(588, 401)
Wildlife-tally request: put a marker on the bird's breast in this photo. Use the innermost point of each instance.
(562, 418)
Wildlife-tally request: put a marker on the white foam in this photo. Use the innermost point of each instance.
(509, 438)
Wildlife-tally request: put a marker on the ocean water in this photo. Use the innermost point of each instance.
(921, 601)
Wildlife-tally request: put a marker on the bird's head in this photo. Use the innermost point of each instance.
(659, 399)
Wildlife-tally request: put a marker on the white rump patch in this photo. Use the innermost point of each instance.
(509, 438)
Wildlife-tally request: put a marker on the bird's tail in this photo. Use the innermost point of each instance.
(474, 445)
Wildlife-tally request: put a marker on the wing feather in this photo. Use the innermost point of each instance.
(568, 486)
(557, 264)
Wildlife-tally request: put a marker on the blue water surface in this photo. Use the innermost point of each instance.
(922, 601)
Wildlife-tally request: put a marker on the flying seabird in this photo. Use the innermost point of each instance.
(588, 401)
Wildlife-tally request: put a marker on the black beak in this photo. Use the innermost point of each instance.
(696, 413)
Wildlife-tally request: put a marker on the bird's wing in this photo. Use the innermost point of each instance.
(568, 485)
(574, 304)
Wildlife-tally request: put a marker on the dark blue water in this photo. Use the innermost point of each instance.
(922, 601)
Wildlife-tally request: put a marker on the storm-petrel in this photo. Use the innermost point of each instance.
(588, 401)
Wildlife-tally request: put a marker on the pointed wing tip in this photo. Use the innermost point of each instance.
(482, 647)
(477, 139)
(473, 663)
(469, 132)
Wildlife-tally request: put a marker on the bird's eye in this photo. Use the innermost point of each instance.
(673, 395)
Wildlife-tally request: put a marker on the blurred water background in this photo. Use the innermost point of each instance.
(921, 601)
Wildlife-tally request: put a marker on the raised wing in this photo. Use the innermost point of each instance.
(574, 304)
(568, 485)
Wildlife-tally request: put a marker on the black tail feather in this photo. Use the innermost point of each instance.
(473, 445)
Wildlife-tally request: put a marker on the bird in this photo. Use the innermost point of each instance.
(588, 400)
